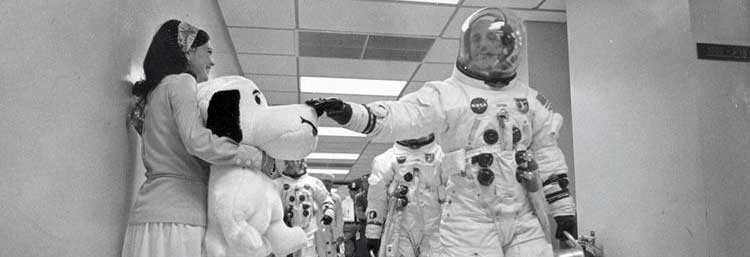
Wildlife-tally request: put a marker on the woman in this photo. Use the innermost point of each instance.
(168, 217)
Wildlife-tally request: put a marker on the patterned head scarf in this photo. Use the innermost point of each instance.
(186, 35)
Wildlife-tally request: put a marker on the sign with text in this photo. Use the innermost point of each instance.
(724, 52)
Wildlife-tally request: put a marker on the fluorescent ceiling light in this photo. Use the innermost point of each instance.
(351, 86)
(328, 171)
(335, 156)
(338, 132)
(433, 1)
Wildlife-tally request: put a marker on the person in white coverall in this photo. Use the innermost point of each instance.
(329, 237)
(403, 211)
(304, 195)
(500, 140)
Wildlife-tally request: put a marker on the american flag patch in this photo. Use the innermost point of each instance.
(544, 101)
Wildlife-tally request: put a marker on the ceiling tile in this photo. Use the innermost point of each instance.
(225, 65)
(444, 51)
(264, 14)
(541, 15)
(263, 41)
(397, 48)
(337, 147)
(280, 98)
(268, 64)
(373, 17)
(336, 45)
(349, 68)
(274, 82)
(554, 5)
(454, 27)
(433, 71)
(526, 4)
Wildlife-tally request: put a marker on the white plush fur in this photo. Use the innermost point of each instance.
(244, 208)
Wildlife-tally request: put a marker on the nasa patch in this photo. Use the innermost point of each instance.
(522, 104)
(478, 105)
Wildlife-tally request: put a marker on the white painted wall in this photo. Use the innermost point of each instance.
(660, 149)
(548, 74)
(66, 155)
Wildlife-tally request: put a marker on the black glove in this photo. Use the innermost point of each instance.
(326, 220)
(373, 244)
(336, 109)
(566, 223)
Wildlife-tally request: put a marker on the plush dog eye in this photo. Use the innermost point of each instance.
(256, 93)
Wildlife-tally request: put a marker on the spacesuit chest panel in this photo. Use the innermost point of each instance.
(416, 170)
(496, 120)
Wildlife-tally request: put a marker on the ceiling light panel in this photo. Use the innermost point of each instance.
(263, 41)
(346, 86)
(335, 156)
(397, 48)
(338, 132)
(351, 68)
(332, 45)
(327, 171)
(267, 14)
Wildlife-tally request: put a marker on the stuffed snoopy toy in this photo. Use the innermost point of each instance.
(245, 213)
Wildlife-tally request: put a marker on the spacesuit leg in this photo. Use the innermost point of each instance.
(528, 239)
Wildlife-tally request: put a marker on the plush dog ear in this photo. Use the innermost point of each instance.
(224, 114)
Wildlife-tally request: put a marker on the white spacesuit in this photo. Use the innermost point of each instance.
(306, 203)
(495, 132)
(329, 237)
(403, 211)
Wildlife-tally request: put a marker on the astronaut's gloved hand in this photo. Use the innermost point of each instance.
(566, 223)
(327, 216)
(336, 109)
(288, 214)
(373, 244)
(527, 173)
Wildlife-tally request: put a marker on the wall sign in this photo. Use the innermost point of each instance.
(724, 52)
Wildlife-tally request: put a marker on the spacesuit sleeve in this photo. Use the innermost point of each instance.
(552, 167)
(377, 195)
(199, 140)
(321, 195)
(338, 225)
(413, 116)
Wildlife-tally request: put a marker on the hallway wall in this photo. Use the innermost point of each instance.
(66, 153)
(660, 146)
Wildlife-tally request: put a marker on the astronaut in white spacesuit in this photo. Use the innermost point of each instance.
(403, 201)
(500, 140)
(306, 201)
